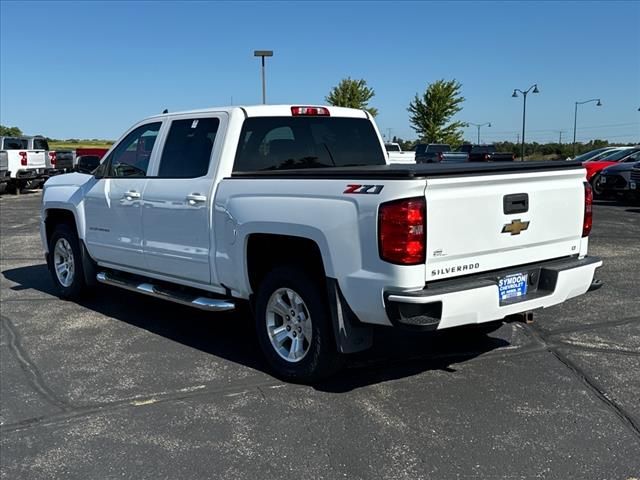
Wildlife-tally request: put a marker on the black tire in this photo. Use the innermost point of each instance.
(78, 285)
(598, 192)
(322, 358)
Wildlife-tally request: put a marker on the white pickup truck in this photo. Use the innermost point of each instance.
(295, 211)
(23, 162)
(397, 155)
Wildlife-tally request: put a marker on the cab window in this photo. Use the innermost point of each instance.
(131, 157)
(187, 150)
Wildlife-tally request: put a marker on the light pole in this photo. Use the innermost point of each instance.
(575, 119)
(262, 54)
(478, 125)
(524, 107)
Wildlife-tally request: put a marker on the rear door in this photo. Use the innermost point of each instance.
(488, 222)
(176, 216)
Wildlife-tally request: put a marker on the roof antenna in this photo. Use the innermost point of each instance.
(165, 111)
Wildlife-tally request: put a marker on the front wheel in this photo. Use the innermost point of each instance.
(65, 262)
(294, 326)
(596, 186)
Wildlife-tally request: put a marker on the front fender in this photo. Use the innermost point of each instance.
(65, 192)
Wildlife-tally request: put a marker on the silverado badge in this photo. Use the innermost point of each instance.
(515, 227)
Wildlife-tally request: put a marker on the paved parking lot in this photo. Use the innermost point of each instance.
(124, 386)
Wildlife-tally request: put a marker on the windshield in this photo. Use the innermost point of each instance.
(617, 155)
(593, 153)
(635, 153)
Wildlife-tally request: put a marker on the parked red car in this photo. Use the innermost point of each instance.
(595, 165)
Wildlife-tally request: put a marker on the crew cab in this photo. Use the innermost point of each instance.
(295, 211)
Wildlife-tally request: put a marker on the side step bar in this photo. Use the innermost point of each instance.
(203, 303)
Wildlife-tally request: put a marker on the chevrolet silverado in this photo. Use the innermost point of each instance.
(295, 211)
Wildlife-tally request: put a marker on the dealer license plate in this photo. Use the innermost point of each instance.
(513, 286)
(633, 185)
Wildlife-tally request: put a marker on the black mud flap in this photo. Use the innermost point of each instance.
(351, 335)
(88, 266)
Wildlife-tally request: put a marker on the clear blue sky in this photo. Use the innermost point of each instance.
(91, 69)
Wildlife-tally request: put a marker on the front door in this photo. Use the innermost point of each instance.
(176, 217)
(113, 204)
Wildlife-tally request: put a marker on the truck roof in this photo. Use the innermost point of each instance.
(269, 111)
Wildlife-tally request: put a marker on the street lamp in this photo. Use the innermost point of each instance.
(524, 107)
(478, 125)
(575, 119)
(262, 54)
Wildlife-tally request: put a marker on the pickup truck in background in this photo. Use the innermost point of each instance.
(25, 161)
(396, 155)
(438, 153)
(485, 153)
(296, 211)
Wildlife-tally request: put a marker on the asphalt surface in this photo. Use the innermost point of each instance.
(124, 386)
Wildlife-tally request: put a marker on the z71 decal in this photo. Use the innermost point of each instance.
(368, 189)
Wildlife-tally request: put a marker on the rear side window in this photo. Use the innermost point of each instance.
(283, 143)
(40, 144)
(187, 151)
(14, 144)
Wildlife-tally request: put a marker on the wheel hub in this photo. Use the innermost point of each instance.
(63, 262)
(288, 325)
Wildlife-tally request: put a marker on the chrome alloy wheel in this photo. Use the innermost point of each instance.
(288, 325)
(63, 262)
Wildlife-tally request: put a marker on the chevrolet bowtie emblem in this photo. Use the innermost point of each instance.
(515, 227)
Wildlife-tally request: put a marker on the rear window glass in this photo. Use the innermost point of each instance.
(40, 144)
(14, 144)
(392, 148)
(439, 148)
(483, 149)
(283, 143)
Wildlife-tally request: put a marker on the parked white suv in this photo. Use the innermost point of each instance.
(295, 210)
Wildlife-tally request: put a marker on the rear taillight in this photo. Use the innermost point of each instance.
(486, 157)
(310, 111)
(401, 231)
(52, 158)
(587, 223)
(23, 158)
(439, 156)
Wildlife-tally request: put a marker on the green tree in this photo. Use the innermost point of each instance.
(431, 113)
(352, 94)
(10, 131)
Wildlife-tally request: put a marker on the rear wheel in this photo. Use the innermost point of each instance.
(294, 326)
(65, 262)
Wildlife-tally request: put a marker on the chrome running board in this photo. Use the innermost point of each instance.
(203, 303)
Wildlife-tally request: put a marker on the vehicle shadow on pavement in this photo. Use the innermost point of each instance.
(230, 336)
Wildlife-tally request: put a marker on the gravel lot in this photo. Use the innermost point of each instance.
(124, 386)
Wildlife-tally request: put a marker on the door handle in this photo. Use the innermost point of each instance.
(131, 195)
(195, 198)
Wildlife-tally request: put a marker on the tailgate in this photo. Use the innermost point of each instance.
(36, 158)
(470, 229)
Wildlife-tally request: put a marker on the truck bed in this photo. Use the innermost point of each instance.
(417, 171)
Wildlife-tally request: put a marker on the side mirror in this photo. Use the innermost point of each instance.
(87, 163)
